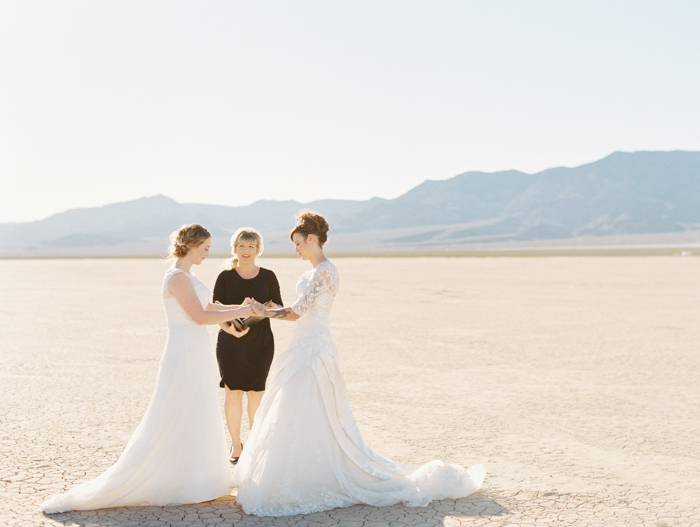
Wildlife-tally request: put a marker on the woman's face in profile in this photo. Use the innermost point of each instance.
(302, 245)
(199, 253)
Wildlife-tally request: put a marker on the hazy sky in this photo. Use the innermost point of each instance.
(230, 102)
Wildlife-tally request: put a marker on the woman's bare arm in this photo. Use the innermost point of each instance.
(181, 288)
(283, 313)
(218, 306)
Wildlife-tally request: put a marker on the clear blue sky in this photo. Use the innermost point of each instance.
(230, 102)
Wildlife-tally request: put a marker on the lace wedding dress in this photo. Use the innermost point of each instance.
(178, 452)
(305, 452)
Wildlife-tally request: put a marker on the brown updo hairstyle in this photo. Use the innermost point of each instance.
(186, 239)
(311, 223)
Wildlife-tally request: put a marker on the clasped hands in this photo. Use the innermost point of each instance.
(256, 307)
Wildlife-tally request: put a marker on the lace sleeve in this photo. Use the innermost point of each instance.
(324, 278)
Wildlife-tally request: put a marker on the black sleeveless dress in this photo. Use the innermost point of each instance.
(244, 362)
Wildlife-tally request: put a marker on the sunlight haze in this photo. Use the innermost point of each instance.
(231, 102)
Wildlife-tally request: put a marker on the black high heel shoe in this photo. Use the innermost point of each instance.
(234, 459)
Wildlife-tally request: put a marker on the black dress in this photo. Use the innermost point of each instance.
(245, 362)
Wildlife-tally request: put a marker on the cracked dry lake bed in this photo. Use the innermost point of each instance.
(574, 380)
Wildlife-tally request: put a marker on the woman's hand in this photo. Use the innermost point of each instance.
(257, 308)
(274, 306)
(231, 330)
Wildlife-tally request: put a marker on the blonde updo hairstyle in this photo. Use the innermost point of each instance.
(186, 239)
(244, 234)
(311, 223)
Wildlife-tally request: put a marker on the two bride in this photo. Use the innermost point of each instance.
(304, 453)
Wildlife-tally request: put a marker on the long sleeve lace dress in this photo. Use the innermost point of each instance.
(305, 452)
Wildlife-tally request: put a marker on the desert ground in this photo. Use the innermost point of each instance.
(574, 380)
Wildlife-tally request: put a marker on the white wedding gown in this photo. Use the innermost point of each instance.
(178, 453)
(305, 452)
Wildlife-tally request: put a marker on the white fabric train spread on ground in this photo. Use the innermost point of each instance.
(305, 452)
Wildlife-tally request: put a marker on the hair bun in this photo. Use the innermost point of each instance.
(311, 223)
(313, 220)
(187, 238)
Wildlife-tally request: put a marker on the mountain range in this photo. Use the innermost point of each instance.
(622, 194)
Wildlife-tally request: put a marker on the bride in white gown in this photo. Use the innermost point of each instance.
(305, 452)
(178, 452)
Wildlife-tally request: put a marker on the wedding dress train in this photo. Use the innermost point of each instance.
(305, 452)
(178, 452)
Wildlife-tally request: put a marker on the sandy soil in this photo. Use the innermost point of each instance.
(574, 380)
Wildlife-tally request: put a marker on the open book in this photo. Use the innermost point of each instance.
(241, 323)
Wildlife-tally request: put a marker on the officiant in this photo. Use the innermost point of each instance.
(244, 357)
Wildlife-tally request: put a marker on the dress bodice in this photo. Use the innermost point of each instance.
(174, 313)
(316, 290)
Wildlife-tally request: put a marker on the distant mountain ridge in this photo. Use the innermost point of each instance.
(621, 194)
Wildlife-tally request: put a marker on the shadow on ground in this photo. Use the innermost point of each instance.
(226, 511)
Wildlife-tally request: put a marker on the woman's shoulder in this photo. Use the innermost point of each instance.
(174, 271)
(267, 273)
(326, 269)
(177, 278)
(328, 266)
(227, 273)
